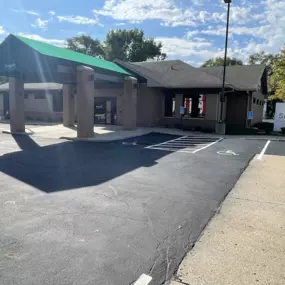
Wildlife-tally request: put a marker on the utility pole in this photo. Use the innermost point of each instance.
(221, 123)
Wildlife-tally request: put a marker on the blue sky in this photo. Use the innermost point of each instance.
(191, 30)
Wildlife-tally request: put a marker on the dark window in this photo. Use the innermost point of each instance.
(57, 102)
(40, 95)
(254, 100)
(26, 95)
(191, 111)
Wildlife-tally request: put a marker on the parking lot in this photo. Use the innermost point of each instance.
(106, 213)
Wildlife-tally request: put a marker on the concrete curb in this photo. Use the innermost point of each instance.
(92, 140)
(17, 133)
(266, 139)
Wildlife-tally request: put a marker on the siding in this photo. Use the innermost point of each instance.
(257, 109)
(212, 105)
(149, 106)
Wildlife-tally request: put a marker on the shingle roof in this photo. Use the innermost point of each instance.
(35, 86)
(173, 74)
(62, 53)
(242, 77)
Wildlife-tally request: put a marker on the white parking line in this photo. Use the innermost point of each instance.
(143, 280)
(186, 144)
(263, 150)
(165, 142)
(207, 145)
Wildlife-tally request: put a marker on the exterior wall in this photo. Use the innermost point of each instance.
(192, 123)
(149, 106)
(208, 123)
(257, 108)
(212, 106)
(1, 104)
(37, 109)
(40, 109)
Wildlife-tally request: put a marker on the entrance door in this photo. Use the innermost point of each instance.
(105, 110)
(236, 111)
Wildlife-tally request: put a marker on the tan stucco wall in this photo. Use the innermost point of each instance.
(257, 109)
(212, 106)
(150, 106)
(172, 122)
(1, 104)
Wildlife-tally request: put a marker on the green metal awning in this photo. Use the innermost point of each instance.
(63, 53)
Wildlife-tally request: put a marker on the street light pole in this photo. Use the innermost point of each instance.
(222, 97)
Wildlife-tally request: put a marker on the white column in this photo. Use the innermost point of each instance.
(68, 105)
(108, 112)
(130, 104)
(85, 102)
(16, 105)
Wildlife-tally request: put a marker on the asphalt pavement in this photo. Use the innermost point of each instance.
(106, 213)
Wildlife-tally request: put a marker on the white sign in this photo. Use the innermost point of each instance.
(279, 119)
(11, 66)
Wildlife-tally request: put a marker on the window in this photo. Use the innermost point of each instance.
(57, 102)
(26, 95)
(201, 107)
(40, 95)
(254, 100)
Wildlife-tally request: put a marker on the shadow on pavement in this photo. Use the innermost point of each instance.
(72, 165)
(25, 143)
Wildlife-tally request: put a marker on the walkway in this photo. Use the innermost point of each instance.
(245, 242)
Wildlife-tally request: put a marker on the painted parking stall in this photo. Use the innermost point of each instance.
(186, 144)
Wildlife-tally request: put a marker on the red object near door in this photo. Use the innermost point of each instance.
(204, 104)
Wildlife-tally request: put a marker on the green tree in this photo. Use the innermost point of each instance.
(277, 79)
(263, 58)
(219, 61)
(3, 79)
(86, 44)
(132, 45)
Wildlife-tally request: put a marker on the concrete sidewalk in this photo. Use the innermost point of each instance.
(245, 242)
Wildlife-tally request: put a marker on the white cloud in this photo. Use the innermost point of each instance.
(79, 20)
(51, 13)
(163, 10)
(190, 34)
(56, 42)
(2, 31)
(176, 47)
(26, 11)
(41, 24)
(197, 2)
(120, 24)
